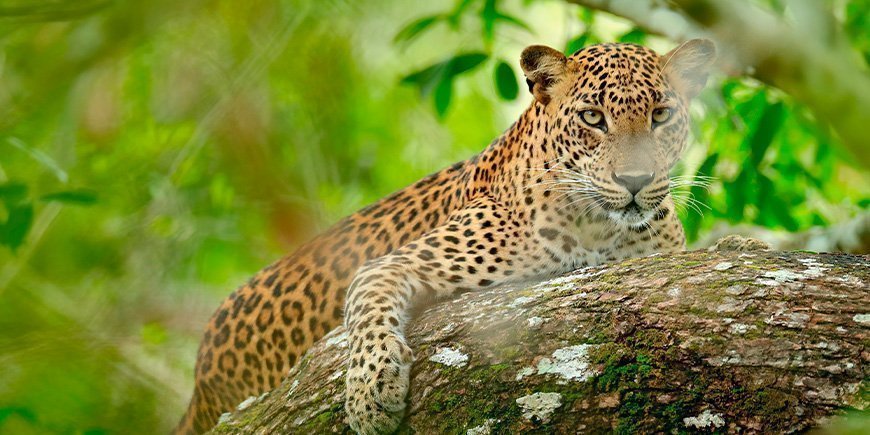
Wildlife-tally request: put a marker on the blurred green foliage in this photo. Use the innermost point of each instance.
(155, 154)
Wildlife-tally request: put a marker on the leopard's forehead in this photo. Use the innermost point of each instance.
(619, 74)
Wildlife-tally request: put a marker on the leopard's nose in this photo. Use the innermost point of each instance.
(632, 181)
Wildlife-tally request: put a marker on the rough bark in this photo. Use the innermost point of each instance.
(761, 341)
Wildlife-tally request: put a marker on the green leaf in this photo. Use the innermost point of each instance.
(634, 36)
(16, 411)
(427, 78)
(430, 77)
(515, 21)
(79, 197)
(488, 15)
(587, 16)
(465, 62)
(577, 43)
(766, 129)
(506, 81)
(439, 77)
(736, 195)
(19, 219)
(773, 209)
(413, 29)
(442, 95)
(13, 193)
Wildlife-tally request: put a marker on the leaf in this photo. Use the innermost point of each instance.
(413, 29)
(465, 62)
(428, 78)
(16, 411)
(456, 14)
(79, 197)
(488, 15)
(506, 81)
(766, 129)
(12, 193)
(577, 43)
(515, 21)
(442, 95)
(634, 36)
(587, 16)
(439, 77)
(736, 195)
(773, 209)
(19, 219)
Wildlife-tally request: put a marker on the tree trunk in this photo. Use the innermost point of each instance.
(720, 341)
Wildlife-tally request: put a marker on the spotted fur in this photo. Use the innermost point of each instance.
(553, 193)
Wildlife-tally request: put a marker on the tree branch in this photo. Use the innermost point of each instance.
(758, 342)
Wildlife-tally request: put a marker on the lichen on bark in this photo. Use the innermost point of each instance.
(713, 341)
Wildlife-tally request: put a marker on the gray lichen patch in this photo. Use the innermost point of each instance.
(535, 321)
(706, 420)
(449, 357)
(570, 363)
(725, 265)
(539, 406)
(247, 403)
(483, 429)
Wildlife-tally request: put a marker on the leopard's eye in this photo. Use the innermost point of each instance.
(661, 115)
(594, 118)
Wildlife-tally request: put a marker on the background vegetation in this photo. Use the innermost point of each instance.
(154, 154)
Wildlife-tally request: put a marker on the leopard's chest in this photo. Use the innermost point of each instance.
(572, 243)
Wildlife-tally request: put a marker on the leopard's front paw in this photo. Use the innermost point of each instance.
(734, 242)
(377, 383)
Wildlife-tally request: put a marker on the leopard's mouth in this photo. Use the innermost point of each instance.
(631, 215)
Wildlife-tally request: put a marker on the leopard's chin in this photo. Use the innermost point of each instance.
(631, 216)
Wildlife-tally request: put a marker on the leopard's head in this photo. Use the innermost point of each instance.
(617, 119)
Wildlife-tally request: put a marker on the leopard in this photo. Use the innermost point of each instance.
(580, 179)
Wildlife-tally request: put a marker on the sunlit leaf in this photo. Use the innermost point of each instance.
(577, 43)
(634, 36)
(506, 81)
(456, 14)
(78, 197)
(413, 29)
(515, 21)
(488, 15)
(442, 95)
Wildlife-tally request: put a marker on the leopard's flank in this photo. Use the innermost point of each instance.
(580, 179)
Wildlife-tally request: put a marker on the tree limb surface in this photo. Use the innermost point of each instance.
(754, 342)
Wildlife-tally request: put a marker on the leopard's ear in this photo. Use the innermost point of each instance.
(543, 67)
(686, 67)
